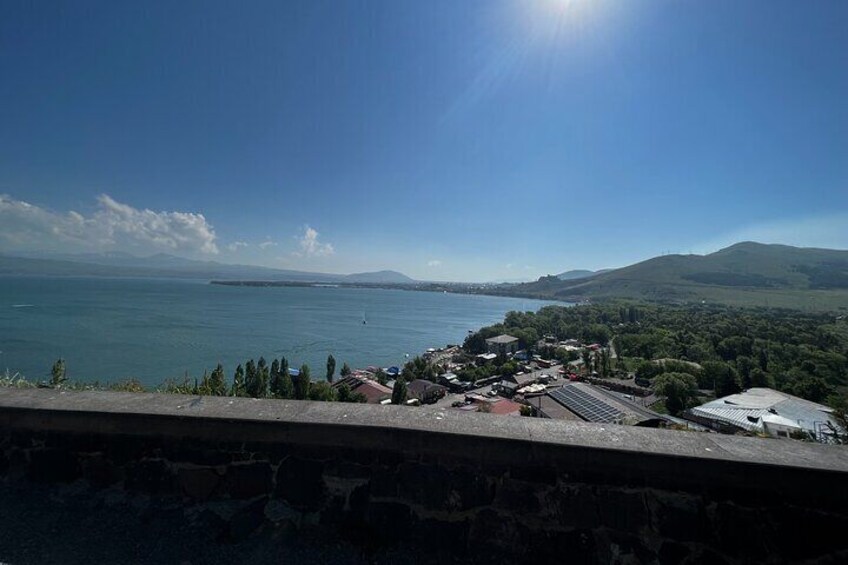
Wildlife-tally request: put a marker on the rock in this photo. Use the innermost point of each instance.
(52, 465)
(198, 483)
(301, 484)
(249, 480)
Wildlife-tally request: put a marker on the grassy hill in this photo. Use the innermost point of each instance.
(744, 274)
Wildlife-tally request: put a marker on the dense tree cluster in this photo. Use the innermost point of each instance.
(258, 380)
(677, 389)
(805, 354)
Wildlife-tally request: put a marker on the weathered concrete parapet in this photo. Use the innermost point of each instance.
(485, 486)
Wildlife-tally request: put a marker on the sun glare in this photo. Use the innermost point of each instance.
(551, 19)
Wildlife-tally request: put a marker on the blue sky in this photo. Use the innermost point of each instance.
(472, 140)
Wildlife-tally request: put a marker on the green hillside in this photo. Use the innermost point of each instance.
(744, 274)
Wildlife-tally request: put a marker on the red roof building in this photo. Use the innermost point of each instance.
(373, 391)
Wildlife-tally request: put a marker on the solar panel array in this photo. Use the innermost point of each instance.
(585, 405)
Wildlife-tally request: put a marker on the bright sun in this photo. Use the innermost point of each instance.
(567, 6)
(550, 19)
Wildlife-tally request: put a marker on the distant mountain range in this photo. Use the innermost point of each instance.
(744, 274)
(747, 273)
(170, 266)
(579, 274)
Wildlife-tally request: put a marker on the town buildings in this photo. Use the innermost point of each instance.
(768, 412)
(582, 401)
(374, 392)
(502, 345)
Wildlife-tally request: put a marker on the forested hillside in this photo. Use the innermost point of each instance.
(800, 353)
(745, 274)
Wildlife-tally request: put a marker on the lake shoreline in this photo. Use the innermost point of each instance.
(155, 330)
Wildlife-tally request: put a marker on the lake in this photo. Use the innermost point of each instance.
(152, 330)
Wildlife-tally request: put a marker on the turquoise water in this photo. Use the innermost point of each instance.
(110, 329)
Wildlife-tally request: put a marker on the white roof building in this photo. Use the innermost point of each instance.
(764, 410)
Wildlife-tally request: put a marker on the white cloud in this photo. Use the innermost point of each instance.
(236, 245)
(267, 243)
(434, 263)
(311, 247)
(112, 226)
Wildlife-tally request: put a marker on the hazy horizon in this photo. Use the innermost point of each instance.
(475, 141)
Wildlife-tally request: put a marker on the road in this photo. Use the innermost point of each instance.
(450, 398)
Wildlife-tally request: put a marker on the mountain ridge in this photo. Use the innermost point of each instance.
(575, 274)
(745, 273)
(172, 266)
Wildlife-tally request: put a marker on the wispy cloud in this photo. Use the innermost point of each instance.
(434, 263)
(310, 246)
(112, 226)
(267, 243)
(236, 245)
(827, 230)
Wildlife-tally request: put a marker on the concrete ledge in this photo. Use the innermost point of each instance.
(385, 427)
(488, 486)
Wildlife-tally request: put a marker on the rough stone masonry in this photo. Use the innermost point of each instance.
(220, 473)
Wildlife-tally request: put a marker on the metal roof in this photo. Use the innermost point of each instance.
(550, 408)
(503, 338)
(748, 410)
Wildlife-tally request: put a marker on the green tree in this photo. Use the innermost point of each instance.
(343, 393)
(429, 373)
(302, 383)
(261, 387)
(509, 368)
(586, 356)
(345, 372)
(282, 385)
(744, 366)
(677, 389)
(604, 362)
(251, 376)
(322, 391)
(809, 387)
(616, 348)
(57, 373)
(720, 377)
(218, 382)
(399, 392)
(381, 377)
(238, 383)
(839, 403)
(760, 378)
(597, 333)
(331, 368)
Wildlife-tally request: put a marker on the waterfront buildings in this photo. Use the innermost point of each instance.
(502, 345)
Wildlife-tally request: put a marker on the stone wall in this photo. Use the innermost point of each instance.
(473, 486)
